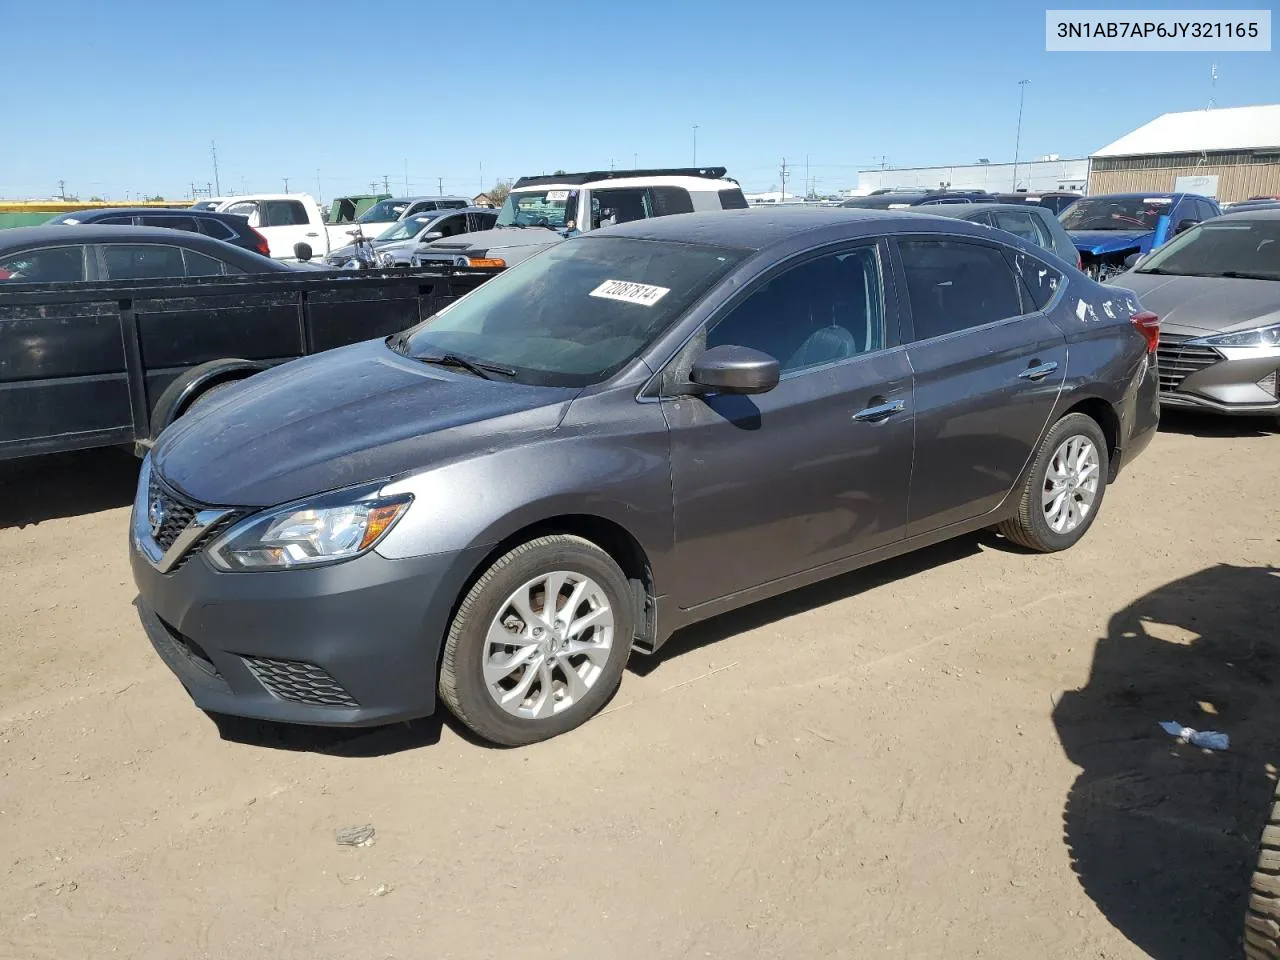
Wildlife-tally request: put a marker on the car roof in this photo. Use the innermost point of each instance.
(18, 237)
(1257, 213)
(762, 226)
(1144, 193)
(958, 210)
(416, 199)
(145, 212)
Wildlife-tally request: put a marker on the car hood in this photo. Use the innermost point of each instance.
(1196, 306)
(343, 417)
(1110, 241)
(499, 238)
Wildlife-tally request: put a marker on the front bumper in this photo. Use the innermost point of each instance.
(351, 644)
(1228, 380)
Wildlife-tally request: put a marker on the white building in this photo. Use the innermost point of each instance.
(1043, 174)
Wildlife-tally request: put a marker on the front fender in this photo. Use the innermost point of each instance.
(179, 395)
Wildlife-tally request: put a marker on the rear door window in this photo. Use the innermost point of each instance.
(620, 206)
(48, 265)
(248, 209)
(142, 261)
(199, 265)
(956, 285)
(1021, 224)
(732, 198)
(120, 221)
(669, 200)
(284, 213)
(1041, 281)
(173, 223)
(215, 228)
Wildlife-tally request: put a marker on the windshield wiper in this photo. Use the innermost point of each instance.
(477, 367)
(1243, 275)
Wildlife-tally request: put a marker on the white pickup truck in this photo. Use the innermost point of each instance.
(287, 219)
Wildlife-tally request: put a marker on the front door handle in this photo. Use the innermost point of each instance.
(1039, 371)
(313, 234)
(881, 411)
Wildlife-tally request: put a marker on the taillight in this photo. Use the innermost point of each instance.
(264, 248)
(1148, 325)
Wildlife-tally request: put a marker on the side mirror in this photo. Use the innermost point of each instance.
(431, 235)
(302, 251)
(733, 369)
(1186, 224)
(1132, 260)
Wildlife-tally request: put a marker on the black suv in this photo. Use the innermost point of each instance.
(227, 227)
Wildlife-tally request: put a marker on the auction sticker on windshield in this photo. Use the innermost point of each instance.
(557, 196)
(630, 292)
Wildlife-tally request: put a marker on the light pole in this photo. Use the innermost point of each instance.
(1017, 143)
(695, 144)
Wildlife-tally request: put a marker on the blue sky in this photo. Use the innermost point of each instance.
(126, 96)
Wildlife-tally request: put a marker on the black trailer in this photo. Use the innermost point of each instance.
(108, 363)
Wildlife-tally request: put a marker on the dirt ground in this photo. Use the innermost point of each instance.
(950, 755)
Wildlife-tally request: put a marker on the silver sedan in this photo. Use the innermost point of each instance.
(1216, 288)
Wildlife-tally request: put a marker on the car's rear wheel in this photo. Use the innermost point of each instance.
(539, 644)
(1064, 487)
(1262, 921)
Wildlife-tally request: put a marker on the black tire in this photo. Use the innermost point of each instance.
(462, 685)
(1262, 920)
(208, 395)
(1028, 527)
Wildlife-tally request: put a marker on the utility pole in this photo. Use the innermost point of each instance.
(62, 189)
(784, 178)
(386, 183)
(208, 189)
(373, 186)
(213, 149)
(406, 176)
(635, 161)
(440, 186)
(1213, 86)
(695, 144)
(319, 189)
(286, 184)
(611, 164)
(808, 188)
(1017, 143)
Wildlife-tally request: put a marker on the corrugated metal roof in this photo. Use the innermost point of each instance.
(1231, 128)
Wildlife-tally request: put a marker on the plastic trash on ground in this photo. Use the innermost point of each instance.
(1206, 739)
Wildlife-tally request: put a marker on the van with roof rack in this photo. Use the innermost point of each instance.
(542, 211)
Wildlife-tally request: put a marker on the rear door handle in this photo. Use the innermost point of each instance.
(881, 411)
(313, 234)
(1038, 372)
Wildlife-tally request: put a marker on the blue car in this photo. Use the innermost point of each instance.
(1109, 229)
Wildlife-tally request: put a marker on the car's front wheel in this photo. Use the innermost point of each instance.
(539, 643)
(1064, 487)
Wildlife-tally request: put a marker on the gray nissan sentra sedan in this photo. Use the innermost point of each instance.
(1216, 288)
(635, 430)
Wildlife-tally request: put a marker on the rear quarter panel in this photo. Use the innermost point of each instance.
(1108, 360)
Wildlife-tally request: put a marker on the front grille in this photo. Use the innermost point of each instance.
(1176, 359)
(299, 682)
(178, 513)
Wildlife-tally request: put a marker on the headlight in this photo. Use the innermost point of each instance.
(1257, 337)
(327, 529)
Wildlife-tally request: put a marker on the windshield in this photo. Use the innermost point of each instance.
(406, 229)
(1115, 213)
(383, 211)
(540, 208)
(576, 314)
(1244, 248)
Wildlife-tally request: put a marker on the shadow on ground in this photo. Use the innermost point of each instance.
(36, 489)
(1193, 423)
(765, 612)
(351, 742)
(1161, 835)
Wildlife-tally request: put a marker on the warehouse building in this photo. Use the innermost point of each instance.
(1043, 174)
(1236, 150)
